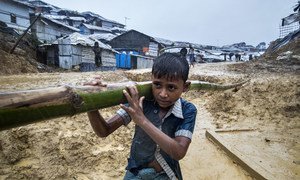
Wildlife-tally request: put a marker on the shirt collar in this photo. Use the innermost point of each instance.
(176, 110)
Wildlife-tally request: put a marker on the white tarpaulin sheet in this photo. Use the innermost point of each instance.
(291, 19)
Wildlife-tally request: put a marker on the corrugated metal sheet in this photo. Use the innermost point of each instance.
(88, 56)
(65, 62)
(153, 49)
(108, 58)
(70, 54)
(76, 55)
(143, 63)
(64, 47)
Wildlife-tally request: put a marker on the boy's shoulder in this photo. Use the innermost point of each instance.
(187, 106)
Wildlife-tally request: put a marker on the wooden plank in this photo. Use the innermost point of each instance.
(233, 130)
(254, 169)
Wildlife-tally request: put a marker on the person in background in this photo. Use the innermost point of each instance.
(225, 55)
(183, 52)
(230, 56)
(191, 56)
(97, 50)
(164, 124)
(237, 57)
(201, 58)
(250, 57)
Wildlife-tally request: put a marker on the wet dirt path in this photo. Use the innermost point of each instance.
(204, 159)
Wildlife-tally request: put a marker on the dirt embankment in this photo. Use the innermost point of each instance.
(23, 59)
(268, 105)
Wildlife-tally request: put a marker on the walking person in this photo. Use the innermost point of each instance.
(191, 56)
(98, 52)
(183, 52)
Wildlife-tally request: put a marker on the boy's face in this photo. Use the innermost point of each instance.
(167, 92)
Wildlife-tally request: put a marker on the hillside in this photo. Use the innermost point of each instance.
(23, 59)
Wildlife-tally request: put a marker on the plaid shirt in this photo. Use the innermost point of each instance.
(179, 121)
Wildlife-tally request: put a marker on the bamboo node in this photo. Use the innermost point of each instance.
(76, 100)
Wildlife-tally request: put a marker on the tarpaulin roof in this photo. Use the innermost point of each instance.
(92, 27)
(295, 17)
(60, 23)
(62, 17)
(103, 36)
(85, 40)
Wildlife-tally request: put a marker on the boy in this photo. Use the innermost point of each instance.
(163, 125)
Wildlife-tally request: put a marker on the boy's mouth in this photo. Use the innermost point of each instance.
(164, 103)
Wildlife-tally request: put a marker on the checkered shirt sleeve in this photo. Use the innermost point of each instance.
(125, 116)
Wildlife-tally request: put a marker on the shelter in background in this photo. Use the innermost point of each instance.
(103, 37)
(48, 30)
(16, 14)
(43, 7)
(97, 20)
(87, 22)
(118, 30)
(137, 42)
(74, 21)
(76, 49)
(88, 29)
(290, 23)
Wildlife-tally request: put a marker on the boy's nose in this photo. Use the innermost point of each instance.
(163, 93)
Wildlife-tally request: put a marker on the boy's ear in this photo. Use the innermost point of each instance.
(186, 86)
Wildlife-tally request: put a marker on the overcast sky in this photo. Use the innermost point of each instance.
(207, 22)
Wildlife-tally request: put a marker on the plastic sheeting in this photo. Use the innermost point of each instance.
(87, 67)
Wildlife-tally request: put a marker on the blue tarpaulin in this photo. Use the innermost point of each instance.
(124, 60)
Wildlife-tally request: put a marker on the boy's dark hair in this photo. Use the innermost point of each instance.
(183, 52)
(171, 66)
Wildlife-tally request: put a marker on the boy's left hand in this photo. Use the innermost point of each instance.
(135, 109)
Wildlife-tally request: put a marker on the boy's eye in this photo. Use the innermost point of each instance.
(171, 88)
(156, 85)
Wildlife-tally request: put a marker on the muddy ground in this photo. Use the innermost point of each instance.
(67, 148)
(267, 106)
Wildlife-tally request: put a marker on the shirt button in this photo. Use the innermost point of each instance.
(155, 111)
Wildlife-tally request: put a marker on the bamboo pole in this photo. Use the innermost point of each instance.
(25, 107)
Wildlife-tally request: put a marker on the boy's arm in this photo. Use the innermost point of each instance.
(102, 127)
(176, 147)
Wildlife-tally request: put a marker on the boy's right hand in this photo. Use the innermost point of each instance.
(135, 108)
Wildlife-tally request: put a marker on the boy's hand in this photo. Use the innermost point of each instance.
(135, 109)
